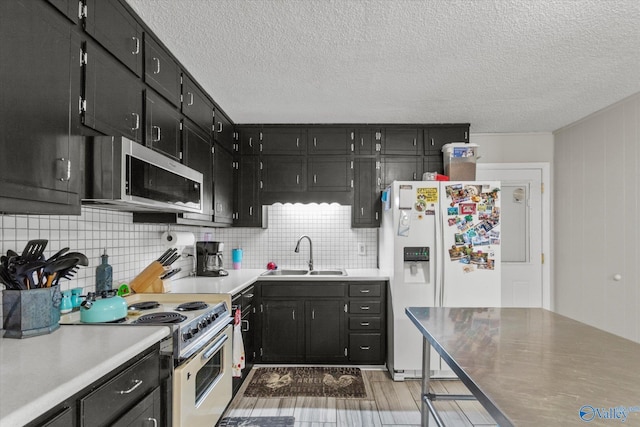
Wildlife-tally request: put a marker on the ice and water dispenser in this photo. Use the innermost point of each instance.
(416, 264)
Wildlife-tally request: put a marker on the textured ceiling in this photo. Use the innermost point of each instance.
(501, 65)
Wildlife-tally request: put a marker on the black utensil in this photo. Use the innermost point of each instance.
(59, 268)
(170, 273)
(81, 258)
(34, 249)
(24, 273)
(57, 254)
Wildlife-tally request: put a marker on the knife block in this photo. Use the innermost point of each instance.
(149, 279)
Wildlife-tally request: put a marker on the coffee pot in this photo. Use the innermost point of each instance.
(210, 259)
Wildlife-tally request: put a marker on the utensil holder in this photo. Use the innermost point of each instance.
(29, 313)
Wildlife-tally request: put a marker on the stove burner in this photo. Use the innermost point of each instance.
(190, 306)
(162, 317)
(144, 305)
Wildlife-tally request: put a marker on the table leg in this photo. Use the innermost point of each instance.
(426, 374)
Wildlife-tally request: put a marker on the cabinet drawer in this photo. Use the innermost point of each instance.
(366, 348)
(365, 290)
(365, 323)
(308, 289)
(247, 298)
(146, 413)
(364, 307)
(104, 404)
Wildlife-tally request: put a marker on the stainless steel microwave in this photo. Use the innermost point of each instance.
(128, 176)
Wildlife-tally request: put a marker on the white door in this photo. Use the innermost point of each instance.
(521, 201)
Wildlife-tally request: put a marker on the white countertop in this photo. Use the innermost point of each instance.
(237, 280)
(40, 372)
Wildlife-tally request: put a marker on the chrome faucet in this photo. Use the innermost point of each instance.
(297, 250)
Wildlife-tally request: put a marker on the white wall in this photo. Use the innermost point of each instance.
(597, 188)
(513, 147)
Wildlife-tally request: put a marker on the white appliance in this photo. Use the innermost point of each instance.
(440, 245)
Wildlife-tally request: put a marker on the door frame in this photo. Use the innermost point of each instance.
(547, 225)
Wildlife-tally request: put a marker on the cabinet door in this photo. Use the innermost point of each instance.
(162, 126)
(283, 173)
(112, 94)
(283, 140)
(196, 105)
(161, 72)
(282, 331)
(367, 141)
(222, 185)
(223, 132)
(329, 173)
(329, 140)
(145, 413)
(433, 164)
(249, 141)
(198, 156)
(248, 211)
(40, 163)
(400, 140)
(68, 7)
(436, 137)
(109, 22)
(366, 200)
(325, 330)
(400, 169)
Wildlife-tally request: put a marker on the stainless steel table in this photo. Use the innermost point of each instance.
(532, 367)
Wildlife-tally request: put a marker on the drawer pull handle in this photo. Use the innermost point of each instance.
(137, 384)
(247, 327)
(154, 421)
(365, 291)
(249, 295)
(364, 307)
(363, 347)
(364, 323)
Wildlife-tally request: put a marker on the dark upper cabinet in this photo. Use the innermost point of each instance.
(196, 105)
(366, 198)
(367, 141)
(112, 94)
(109, 22)
(222, 185)
(329, 173)
(400, 169)
(161, 71)
(248, 211)
(330, 140)
(437, 136)
(283, 141)
(249, 140)
(402, 141)
(40, 164)
(433, 164)
(283, 174)
(69, 8)
(162, 125)
(223, 131)
(198, 155)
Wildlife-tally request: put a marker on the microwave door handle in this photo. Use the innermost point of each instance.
(215, 347)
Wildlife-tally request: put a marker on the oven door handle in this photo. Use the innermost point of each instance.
(215, 347)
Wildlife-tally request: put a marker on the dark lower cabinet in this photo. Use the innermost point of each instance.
(135, 394)
(282, 333)
(244, 301)
(324, 321)
(41, 162)
(321, 322)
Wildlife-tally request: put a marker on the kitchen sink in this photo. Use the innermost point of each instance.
(285, 272)
(328, 273)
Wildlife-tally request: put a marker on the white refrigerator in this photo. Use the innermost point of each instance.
(439, 244)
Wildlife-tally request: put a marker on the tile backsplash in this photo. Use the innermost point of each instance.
(131, 247)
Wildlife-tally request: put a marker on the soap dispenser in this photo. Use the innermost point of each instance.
(104, 274)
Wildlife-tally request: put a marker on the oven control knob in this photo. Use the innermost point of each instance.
(202, 324)
(187, 336)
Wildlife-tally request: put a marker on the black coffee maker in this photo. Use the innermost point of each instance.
(210, 260)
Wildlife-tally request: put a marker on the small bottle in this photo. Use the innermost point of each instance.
(104, 274)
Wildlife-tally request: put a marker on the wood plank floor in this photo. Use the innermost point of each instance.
(389, 403)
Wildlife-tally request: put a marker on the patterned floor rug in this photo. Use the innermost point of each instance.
(257, 422)
(341, 382)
